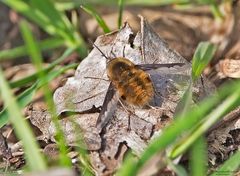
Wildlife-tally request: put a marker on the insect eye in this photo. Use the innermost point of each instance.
(123, 97)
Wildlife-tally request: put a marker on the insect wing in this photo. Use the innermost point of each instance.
(108, 108)
(147, 67)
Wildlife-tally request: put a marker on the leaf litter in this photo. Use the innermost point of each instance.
(87, 89)
(85, 92)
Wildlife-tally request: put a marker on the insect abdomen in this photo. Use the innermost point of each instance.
(135, 87)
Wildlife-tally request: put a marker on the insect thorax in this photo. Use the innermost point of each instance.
(117, 66)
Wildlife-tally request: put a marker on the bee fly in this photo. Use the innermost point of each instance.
(131, 82)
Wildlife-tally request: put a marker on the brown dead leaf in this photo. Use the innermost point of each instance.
(51, 151)
(229, 68)
(42, 120)
(224, 141)
(87, 89)
(5, 152)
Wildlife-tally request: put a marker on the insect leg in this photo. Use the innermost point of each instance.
(99, 80)
(111, 52)
(120, 101)
(75, 102)
(98, 49)
(127, 111)
(91, 77)
(123, 54)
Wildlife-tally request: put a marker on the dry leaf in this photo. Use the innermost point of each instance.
(229, 68)
(87, 89)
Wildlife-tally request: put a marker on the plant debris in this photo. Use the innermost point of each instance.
(88, 88)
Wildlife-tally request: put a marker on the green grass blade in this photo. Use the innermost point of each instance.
(61, 25)
(84, 164)
(69, 5)
(184, 104)
(37, 61)
(128, 164)
(46, 44)
(101, 22)
(33, 77)
(218, 112)
(120, 12)
(216, 12)
(229, 94)
(51, 16)
(23, 99)
(23, 131)
(198, 157)
(27, 96)
(157, 2)
(53, 21)
(229, 166)
(55, 73)
(74, 4)
(201, 58)
(51, 25)
(178, 169)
